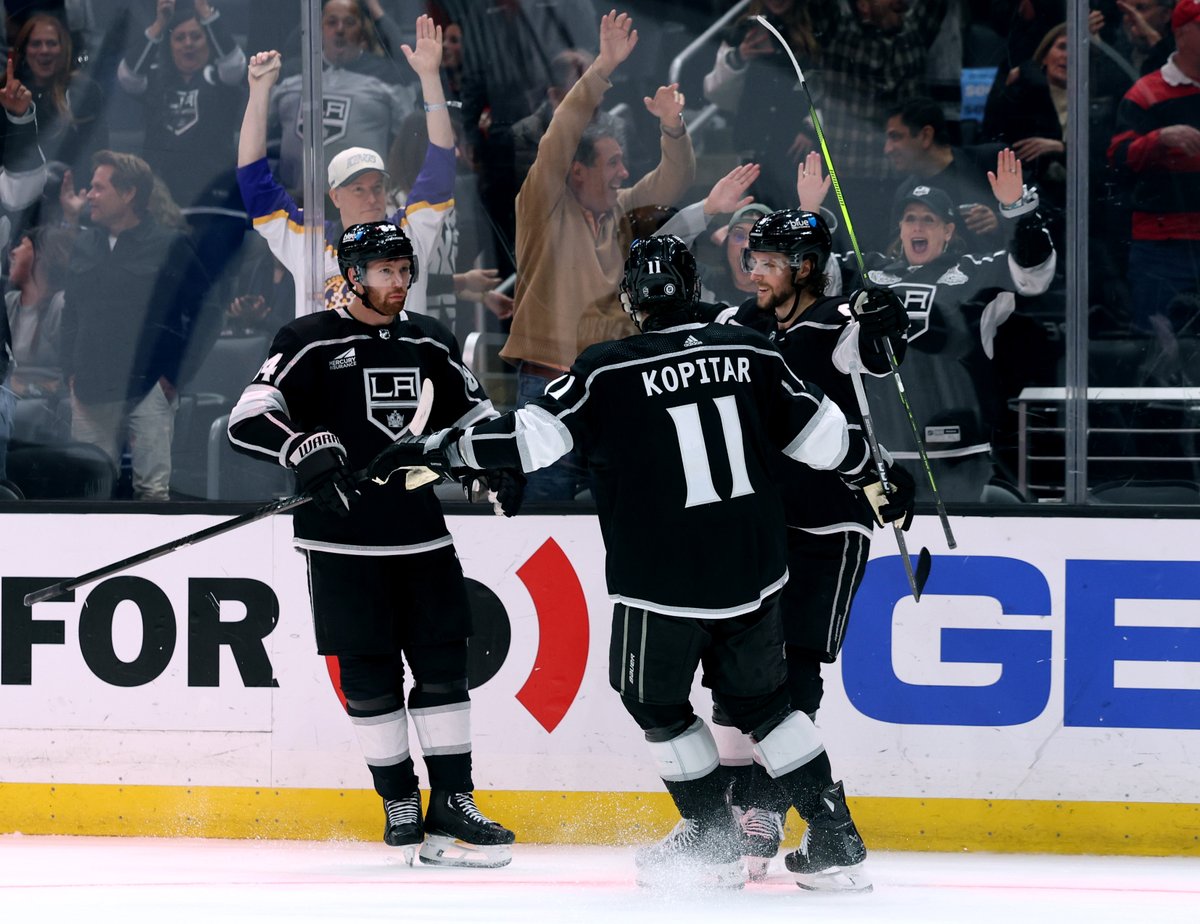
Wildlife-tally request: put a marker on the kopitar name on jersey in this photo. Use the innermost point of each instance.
(706, 370)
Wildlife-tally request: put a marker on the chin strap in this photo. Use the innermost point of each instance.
(795, 304)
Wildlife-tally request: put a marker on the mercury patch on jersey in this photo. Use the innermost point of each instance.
(392, 396)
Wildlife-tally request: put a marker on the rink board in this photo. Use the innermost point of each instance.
(1044, 695)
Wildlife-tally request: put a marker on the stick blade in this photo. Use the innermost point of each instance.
(921, 573)
(420, 417)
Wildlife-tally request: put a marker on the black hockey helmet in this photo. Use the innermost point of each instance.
(794, 233)
(374, 240)
(660, 275)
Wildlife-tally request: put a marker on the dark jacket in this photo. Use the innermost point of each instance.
(129, 310)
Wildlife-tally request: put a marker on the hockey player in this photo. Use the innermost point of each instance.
(829, 529)
(678, 424)
(339, 386)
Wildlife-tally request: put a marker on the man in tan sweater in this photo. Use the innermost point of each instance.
(573, 232)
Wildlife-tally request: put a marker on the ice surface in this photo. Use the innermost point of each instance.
(47, 880)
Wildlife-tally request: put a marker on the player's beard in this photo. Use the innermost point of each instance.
(775, 300)
(381, 301)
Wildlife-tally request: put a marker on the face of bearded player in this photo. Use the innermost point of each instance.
(386, 283)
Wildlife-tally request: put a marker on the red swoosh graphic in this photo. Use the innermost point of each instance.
(563, 635)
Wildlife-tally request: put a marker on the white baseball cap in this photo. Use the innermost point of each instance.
(350, 163)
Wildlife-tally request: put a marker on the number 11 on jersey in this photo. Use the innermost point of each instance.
(694, 451)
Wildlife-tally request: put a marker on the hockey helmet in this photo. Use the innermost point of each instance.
(660, 275)
(374, 240)
(795, 233)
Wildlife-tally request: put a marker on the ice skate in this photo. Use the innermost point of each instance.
(696, 854)
(759, 834)
(402, 826)
(831, 853)
(458, 834)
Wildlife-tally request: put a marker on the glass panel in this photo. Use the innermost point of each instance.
(1144, 263)
(160, 331)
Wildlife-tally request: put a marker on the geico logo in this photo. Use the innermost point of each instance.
(1117, 645)
(206, 631)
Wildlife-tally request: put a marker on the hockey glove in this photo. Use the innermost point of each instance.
(879, 313)
(424, 459)
(506, 490)
(319, 461)
(897, 505)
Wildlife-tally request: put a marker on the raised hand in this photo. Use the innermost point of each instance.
(666, 105)
(263, 70)
(69, 200)
(1008, 183)
(812, 185)
(617, 41)
(14, 95)
(426, 58)
(729, 193)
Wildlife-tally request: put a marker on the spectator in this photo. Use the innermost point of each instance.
(34, 304)
(1029, 110)
(22, 167)
(1146, 27)
(753, 79)
(1158, 142)
(565, 70)
(956, 301)
(452, 60)
(133, 292)
(873, 57)
(192, 96)
(917, 142)
(356, 181)
(572, 231)
(69, 104)
(447, 288)
(264, 296)
(362, 92)
(507, 49)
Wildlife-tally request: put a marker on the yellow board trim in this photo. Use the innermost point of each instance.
(1126, 828)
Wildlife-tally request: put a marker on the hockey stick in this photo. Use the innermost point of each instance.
(887, 346)
(416, 426)
(917, 578)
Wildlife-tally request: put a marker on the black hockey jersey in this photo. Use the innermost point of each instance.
(955, 305)
(818, 347)
(329, 370)
(678, 427)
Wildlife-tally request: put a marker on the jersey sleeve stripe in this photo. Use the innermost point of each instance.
(824, 440)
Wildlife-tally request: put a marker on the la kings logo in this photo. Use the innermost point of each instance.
(335, 117)
(917, 298)
(391, 396)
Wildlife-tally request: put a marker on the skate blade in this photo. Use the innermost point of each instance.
(757, 868)
(402, 853)
(836, 879)
(440, 850)
(682, 876)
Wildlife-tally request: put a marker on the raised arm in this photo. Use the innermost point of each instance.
(426, 60)
(617, 41)
(262, 75)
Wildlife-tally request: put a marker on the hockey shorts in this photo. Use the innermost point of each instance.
(825, 573)
(380, 604)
